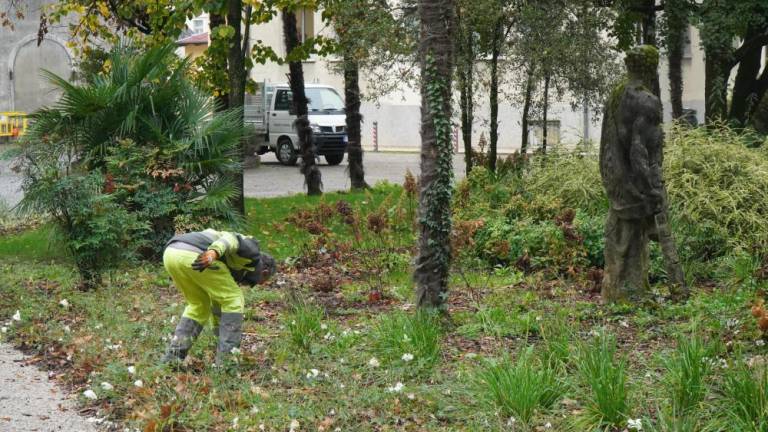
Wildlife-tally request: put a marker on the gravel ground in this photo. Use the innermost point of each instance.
(30, 402)
(272, 179)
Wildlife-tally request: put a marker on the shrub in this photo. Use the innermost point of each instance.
(519, 388)
(100, 234)
(604, 376)
(164, 156)
(399, 333)
(717, 187)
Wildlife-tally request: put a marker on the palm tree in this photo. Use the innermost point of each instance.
(164, 152)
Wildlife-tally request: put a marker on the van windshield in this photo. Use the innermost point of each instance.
(324, 99)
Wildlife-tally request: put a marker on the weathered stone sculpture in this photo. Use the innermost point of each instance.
(630, 165)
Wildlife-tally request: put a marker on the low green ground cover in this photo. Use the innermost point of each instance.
(523, 349)
(334, 343)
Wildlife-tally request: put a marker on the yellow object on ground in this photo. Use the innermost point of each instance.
(13, 123)
(205, 291)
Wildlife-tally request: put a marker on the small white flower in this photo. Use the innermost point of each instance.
(254, 410)
(107, 386)
(759, 342)
(90, 394)
(397, 388)
(323, 326)
(173, 319)
(64, 303)
(511, 421)
(235, 350)
(313, 373)
(548, 425)
(470, 355)
(635, 424)
(17, 316)
(328, 336)
(407, 357)
(411, 396)
(294, 425)
(235, 421)
(67, 329)
(624, 324)
(131, 370)
(374, 362)
(138, 383)
(4, 329)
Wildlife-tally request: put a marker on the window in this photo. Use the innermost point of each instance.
(553, 132)
(283, 100)
(324, 99)
(305, 19)
(198, 26)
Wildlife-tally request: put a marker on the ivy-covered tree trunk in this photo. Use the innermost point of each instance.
(677, 23)
(466, 45)
(436, 61)
(494, 95)
(648, 27)
(353, 119)
(236, 74)
(218, 20)
(526, 112)
(309, 166)
(545, 113)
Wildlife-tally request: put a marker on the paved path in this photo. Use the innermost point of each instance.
(30, 402)
(272, 179)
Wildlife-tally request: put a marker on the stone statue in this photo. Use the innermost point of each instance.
(630, 165)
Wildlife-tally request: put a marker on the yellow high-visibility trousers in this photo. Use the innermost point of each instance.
(213, 289)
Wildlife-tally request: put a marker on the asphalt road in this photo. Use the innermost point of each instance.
(272, 179)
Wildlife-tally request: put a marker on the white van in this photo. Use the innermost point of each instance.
(269, 111)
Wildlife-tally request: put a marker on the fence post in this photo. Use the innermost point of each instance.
(375, 136)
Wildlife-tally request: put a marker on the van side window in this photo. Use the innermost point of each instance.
(283, 100)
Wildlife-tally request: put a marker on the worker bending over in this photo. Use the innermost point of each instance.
(207, 267)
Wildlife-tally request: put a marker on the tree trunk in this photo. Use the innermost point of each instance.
(716, 73)
(648, 25)
(467, 97)
(236, 74)
(675, 57)
(526, 113)
(745, 93)
(545, 129)
(353, 118)
(494, 96)
(217, 20)
(309, 166)
(435, 190)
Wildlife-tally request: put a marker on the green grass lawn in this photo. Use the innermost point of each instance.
(520, 351)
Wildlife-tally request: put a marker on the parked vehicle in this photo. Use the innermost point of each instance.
(270, 112)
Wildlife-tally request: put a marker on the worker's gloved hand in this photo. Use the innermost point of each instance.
(205, 259)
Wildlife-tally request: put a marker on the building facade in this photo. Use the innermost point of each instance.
(22, 60)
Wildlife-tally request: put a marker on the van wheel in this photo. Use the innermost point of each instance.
(286, 154)
(334, 159)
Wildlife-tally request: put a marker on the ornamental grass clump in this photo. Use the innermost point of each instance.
(603, 376)
(519, 388)
(742, 403)
(417, 334)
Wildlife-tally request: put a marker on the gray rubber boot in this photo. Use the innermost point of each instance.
(186, 332)
(230, 334)
(216, 311)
